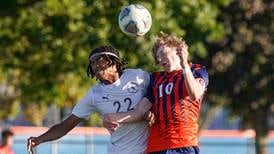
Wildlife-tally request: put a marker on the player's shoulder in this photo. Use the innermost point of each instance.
(95, 88)
(198, 69)
(196, 66)
(134, 71)
(158, 73)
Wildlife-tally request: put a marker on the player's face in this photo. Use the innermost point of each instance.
(103, 69)
(9, 140)
(168, 58)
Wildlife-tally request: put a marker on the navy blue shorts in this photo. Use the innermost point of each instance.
(183, 150)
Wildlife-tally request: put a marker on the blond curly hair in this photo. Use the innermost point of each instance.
(166, 40)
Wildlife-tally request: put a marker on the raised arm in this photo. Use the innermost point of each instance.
(55, 132)
(195, 87)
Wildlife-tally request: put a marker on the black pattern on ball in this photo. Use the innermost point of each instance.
(124, 13)
(134, 20)
(131, 27)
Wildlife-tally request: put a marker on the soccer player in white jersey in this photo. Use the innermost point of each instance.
(119, 90)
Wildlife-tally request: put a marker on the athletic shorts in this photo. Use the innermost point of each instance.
(183, 150)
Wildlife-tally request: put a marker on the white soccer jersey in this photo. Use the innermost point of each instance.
(121, 96)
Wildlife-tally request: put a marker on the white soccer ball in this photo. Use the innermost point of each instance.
(134, 20)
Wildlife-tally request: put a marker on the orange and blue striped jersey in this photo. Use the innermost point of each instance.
(176, 115)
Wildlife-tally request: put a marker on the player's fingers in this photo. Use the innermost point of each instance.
(153, 119)
(29, 142)
(107, 122)
(123, 119)
(107, 118)
(151, 116)
(150, 123)
(30, 151)
(112, 128)
(111, 125)
(179, 51)
(148, 116)
(30, 146)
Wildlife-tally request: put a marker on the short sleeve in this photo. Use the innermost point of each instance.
(146, 77)
(149, 93)
(85, 106)
(200, 72)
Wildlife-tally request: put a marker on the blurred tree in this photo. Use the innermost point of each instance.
(8, 96)
(242, 67)
(45, 44)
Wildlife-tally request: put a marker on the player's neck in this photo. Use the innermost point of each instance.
(113, 78)
(173, 68)
(3, 145)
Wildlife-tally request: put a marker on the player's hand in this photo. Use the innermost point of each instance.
(32, 142)
(109, 124)
(182, 52)
(150, 117)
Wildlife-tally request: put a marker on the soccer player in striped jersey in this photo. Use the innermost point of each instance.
(119, 90)
(174, 96)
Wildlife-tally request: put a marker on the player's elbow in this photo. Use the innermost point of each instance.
(138, 114)
(142, 108)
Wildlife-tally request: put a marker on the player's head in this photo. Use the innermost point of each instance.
(165, 40)
(102, 58)
(165, 49)
(7, 137)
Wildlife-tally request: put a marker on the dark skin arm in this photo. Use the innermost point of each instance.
(55, 132)
(142, 108)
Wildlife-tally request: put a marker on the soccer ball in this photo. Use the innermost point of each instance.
(134, 20)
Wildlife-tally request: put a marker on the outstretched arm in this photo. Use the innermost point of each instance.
(131, 116)
(54, 132)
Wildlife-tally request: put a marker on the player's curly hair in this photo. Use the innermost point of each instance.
(165, 40)
(6, 133)
(110, 53)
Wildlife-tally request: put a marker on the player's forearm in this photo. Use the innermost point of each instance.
(194, 89)
(59, 130)
(132, 116)
(55, 132)
(127, 117)
(139, 111)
